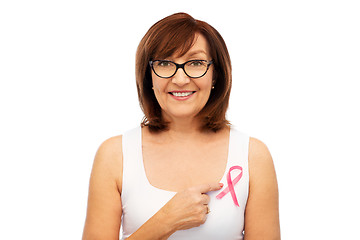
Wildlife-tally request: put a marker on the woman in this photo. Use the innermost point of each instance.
(185, 173)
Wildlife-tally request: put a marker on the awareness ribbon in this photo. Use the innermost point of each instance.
(231, 183)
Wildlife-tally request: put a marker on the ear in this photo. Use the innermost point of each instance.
(214, 78)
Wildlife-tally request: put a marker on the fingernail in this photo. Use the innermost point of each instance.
(221, 185)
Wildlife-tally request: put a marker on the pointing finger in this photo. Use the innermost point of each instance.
(209, 187)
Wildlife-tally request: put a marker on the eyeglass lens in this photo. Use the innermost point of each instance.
(196, 68)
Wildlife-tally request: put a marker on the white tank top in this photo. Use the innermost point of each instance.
(140, 200)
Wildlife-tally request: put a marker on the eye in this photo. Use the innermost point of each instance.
(197, 63)
(163, 63)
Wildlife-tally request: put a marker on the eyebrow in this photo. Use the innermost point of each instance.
(196, 52)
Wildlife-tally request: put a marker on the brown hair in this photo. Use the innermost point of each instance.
(176, 33)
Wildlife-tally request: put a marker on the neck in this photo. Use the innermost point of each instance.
(181, 129)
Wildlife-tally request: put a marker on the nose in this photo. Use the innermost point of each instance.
(180, 78)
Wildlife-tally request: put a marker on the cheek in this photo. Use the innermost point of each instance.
(157, 84)
(158, 87)
(207, 82)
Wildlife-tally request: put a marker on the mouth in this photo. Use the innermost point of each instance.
(182, 93)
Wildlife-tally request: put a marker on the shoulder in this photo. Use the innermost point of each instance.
(262, 173)
(258, 151)
(108, 159)
(261, 165)
(111, 146)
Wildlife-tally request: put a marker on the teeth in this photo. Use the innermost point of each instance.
(181, 94)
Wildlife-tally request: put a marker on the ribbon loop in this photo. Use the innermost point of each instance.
(231, 183)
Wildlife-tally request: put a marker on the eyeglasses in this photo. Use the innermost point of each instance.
(192, 68)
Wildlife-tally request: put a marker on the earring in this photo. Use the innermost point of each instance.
(212, 87)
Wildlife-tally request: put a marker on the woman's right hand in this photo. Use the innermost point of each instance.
(188, 208)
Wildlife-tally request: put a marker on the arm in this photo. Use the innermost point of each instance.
(103, 219)
(262, 209)
(185, 210)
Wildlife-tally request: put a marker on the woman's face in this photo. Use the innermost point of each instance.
(172, 93)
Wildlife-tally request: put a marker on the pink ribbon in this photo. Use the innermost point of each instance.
(231, 183)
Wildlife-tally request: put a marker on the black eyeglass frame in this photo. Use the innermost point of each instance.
(180, 66)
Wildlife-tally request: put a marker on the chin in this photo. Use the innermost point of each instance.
(182, 114)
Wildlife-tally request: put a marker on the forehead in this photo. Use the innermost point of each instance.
(200, 47)
(194, 45)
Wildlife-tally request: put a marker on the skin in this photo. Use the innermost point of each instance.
(182, 151)
(180, 113)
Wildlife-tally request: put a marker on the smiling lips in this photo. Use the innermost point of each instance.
(181, 95)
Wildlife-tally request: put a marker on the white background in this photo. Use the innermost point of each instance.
(67, 84)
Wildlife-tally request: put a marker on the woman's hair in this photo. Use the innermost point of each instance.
(176, 34)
